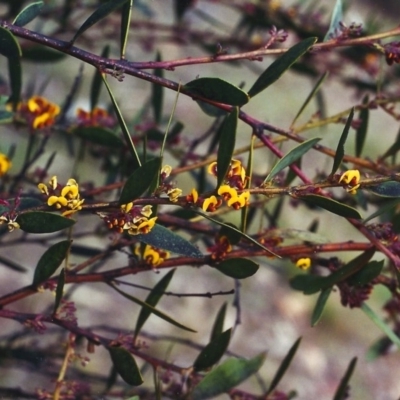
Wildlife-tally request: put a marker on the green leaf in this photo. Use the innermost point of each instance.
(218, 326)
(98, 135)
(41, 54)
(217, 90)
(291, 157)
(314, 91)
(6, 116)
(382, 210)
(226, 376)
(140, 181)
(43, 222)
(233, 228)
(381, 324)
(210, 110)
(152, 310)
(157, 93)
(125, 365)
(213, 352)
(332, 205)
(342, 390)
(95, 87)
(393, 149)
(337, 17)
(126, 14)
(281, 65)
(165, 239)
(284, 366)
(233, 235)
(50, 261)
(28, 14)
(340, 149)
(320, 305)
(238, 268)
(9, 47)
(310, 284)
(386, 189)
(122, 124)
(59, 290)
(371, 271)
(226, 145)
(99, 14)
(152, 299)
(378, 349)
(180, 7)
(361, 132)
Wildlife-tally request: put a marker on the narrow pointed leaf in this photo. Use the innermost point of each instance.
(340, 148)
(393, 149)
(332, 205)
(152, 310)
(210, 110)
(361, 132)
(226, 376)
(218, 90)
(232, 235)
(43, 222)
(140, 181)
(386, 189)
(314, 91)
(40, 54)
(342, 390)
(157, 95)
(378, 349)
(122, 124)
(291, 157)
(284, 366)
(125, 365)
(281, 65)
(165, 239)
(310, 284)
(238, 268)
(231, 227)
(226, 145)
(320, 305)
(152, 299)
(9, 47)
(218, 326)
(126, 14)
(381, 324)
(59, 290)
(383, 209)
(99, 14)
(50, 261)
(98, 135)
(28, 14)
(371, 271)
(95, 87)
(213, 352)
(337, 17)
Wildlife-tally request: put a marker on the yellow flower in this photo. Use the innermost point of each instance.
(212, 168)
(126, 207)
(11, 223)
(146, 210)
(57, 201)
(166, 171)
(173, 194)
(239, 201)
(154, 256)
(210, 204)
(303, 263)
(193, 196)
(352, 179)
(5, 164)
(39, 112)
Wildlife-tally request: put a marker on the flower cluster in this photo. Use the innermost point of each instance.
(351, 179)
(5, 164)
(133, 220)
(235, 180)
(9, 217)
(167, 187)
(38, 112)
(152, 255)
(65, 198)
(221, 248)
(97, 117)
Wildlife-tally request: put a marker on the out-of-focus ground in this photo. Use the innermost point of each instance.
(273, 315)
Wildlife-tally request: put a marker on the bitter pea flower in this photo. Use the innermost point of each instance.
(97, 117)
(39, 112)
(303, 263)
(5, 164)
(65, 198)
(352, 179)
